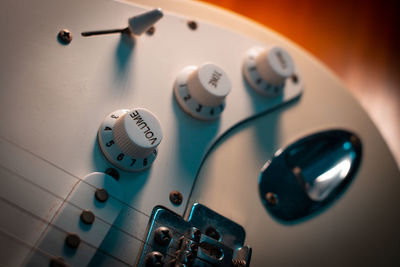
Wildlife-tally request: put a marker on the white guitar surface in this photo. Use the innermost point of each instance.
(55, 96)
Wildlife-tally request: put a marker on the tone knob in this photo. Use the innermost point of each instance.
(201, 91)
(129, 138)
(267, 69)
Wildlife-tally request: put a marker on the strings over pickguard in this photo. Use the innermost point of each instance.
(119, 120)
(143, 103)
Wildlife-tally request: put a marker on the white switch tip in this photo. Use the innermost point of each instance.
(140, 23)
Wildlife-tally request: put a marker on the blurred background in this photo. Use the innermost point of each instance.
(358, 39)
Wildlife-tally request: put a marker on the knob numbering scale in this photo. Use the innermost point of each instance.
(129, 138)
(201, 91)
(267, 69)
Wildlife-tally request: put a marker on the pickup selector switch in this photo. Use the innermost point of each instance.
(267, 69)
(201, 90)
(129, 138)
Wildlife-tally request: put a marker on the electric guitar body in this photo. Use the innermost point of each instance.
(188, 136)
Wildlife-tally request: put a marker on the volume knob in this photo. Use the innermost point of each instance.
(267, 69)
(129, 139)
(201, 91)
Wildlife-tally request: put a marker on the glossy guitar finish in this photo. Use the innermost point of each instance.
(54, 97)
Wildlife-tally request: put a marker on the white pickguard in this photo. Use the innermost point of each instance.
(54, 98)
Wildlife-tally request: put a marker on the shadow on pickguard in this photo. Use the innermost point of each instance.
(264, 143)
(193, 137)
(124, 58)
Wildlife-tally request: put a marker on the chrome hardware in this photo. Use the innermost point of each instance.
(206, 239)
(309, 174)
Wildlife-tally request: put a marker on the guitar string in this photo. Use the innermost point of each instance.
(55, 227)
(76, 206)
(26, 244)
(60, 229)
(65, 200)
(43, 252)
(68, 173)
(81, 209)
(79, 180)
(72, 175)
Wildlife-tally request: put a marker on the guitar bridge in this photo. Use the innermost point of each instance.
(205, 239)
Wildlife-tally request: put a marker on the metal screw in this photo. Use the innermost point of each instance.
(101, 195)
(271, 198)
(87, 217)
(113, 173)
(154, 259)
(72, 240)
(163, 236)
(175, 197)
(65, 36)
(192, 25)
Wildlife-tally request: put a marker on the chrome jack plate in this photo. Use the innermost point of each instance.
(310, 174)
(205, 239)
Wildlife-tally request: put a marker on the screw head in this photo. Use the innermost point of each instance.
(87, 217)
(101, 195)
(192, 25)
(176, 197)
(154, 259)
(163, 236)
(65, 36)
(72, 240)
(271, 198)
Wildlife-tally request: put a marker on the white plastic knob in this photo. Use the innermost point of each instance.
(129, 138)
(275, 65)
(209, 84)
(137, 133)
(201, 91)
(267, 69)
